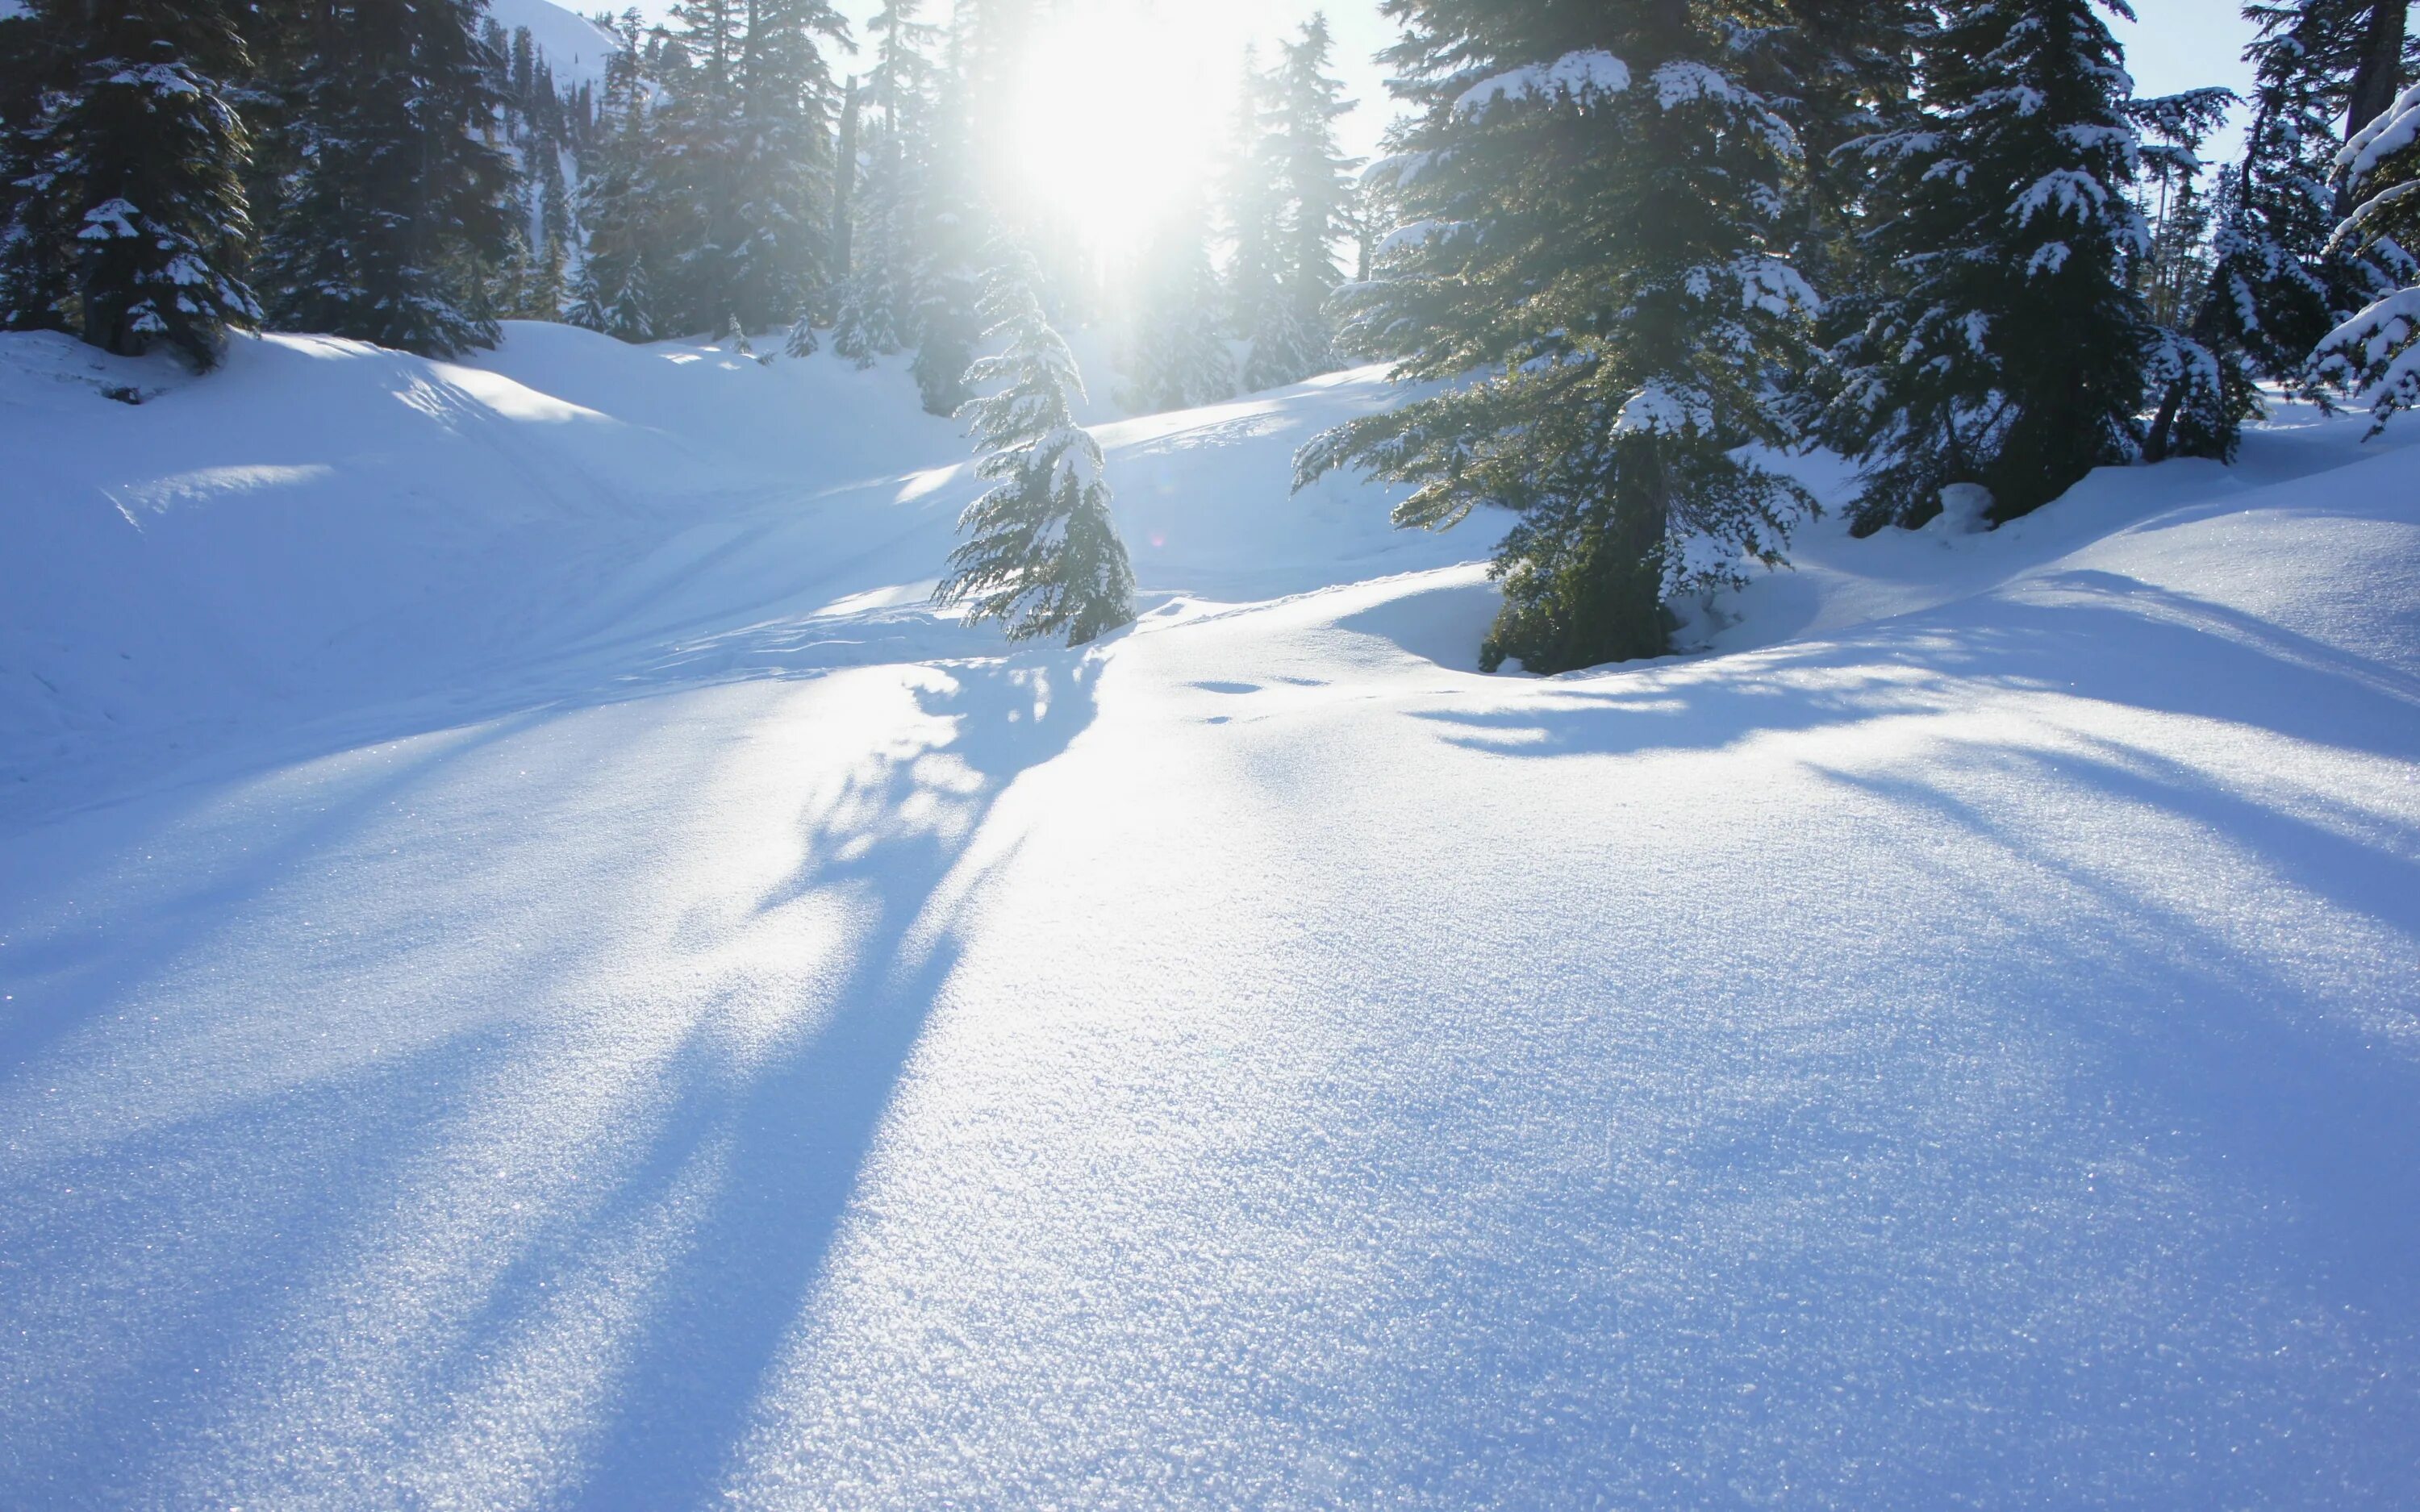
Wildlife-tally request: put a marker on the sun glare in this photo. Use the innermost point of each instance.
(1116, 112)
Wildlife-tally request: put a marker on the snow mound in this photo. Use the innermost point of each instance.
(537, 971)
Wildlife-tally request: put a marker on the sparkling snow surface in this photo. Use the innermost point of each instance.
(538, 973)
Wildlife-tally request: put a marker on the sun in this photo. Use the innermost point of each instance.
(1115, 115)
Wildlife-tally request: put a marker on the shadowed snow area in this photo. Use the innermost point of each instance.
(538, 973)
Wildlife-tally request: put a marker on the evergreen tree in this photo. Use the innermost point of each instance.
(1179, 359)
(130, 223)
(398, 207)
(2012, 355)
(1253, 207)
(873, 309)
(1042, 554)
(588, 300)
(783, 170)
(1597, 216)
(1836, 71)
(2201, 381)
(1294, 338)
(952, 217)
(802, 340)
(2375, 354)
(634, 305)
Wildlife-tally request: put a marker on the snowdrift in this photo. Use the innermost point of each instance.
(537, 972)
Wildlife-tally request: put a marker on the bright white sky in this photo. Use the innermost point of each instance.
(1136, 94)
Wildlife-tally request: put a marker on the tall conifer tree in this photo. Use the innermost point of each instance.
(2011, 355)
(398, 205)
(1595, 252)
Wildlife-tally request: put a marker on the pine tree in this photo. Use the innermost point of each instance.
(2375, 354)
(634, 305)
(947, 223)
(588, 300)
(873, 308)
(1835, 70)
(1597, 216)
(1294, 338)
(1042, 554)
(2201, 379)
(802, 340)
(2012, 355)
(1253, 207)
(782, 171)
(130, 225)
(1179, 359)
(398, 208)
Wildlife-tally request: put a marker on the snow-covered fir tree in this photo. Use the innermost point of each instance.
(1835, 70)
(129, 223)
(634, 318)
(1597, 218)
(587, 308)
(783, 170)
(2375, 355)
(397, 205)
(2201, 385)
(1042, 554)
(2011, 355)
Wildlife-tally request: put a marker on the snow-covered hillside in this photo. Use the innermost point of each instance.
(576, 47)
(537, 972)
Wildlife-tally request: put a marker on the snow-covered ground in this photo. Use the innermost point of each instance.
(537, 973)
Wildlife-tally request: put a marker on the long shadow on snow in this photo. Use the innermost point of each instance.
(2113, 639)
(2267, 1073)
(788, 1141)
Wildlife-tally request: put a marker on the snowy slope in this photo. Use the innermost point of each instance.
(611, 1003)
(575, 47)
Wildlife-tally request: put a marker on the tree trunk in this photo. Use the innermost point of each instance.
(2378, 77)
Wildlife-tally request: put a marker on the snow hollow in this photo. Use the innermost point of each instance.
(538, 971)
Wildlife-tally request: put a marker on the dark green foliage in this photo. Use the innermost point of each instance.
(127, 222)
(2011, 353)
(1597, 211)
(397, 208)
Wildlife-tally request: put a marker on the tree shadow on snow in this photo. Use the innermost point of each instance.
(2089, 635)
(786, 1140)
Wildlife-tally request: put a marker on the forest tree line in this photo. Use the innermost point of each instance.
(1643, 246)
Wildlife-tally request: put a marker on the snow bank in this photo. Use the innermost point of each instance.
(766, 1046)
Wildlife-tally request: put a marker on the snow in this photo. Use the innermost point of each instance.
(535, 971)
(1577, 76)
(576, 47)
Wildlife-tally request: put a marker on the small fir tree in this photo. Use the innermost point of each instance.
(1042, 554)
(1597, 218)
(588, 301)
(634, 306)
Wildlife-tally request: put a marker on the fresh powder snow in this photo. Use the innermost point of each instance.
(536, 970)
